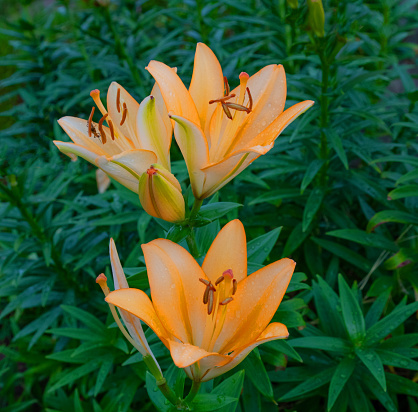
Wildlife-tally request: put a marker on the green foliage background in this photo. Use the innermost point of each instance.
(338, 194)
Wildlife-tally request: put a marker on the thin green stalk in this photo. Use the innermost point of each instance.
(193, 391)
(195, 209)
(191, 243)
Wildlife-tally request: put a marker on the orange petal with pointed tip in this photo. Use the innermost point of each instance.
(207, 83)
(176, 97)
(137, 303)
(176, 292)
(228, 251)
(272, 332)
(255, 302)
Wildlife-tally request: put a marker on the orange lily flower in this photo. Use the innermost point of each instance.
(209, 317)
(137, 135)
(220, 132)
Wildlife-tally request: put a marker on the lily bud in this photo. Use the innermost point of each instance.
(160, 194)
(316, 17)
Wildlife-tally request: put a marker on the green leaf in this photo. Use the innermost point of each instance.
(376, 310)
(364, 238)
(378, 392)
(385, 326)
(404, 257)
(341, 375)
(412, 175)
(391, 216)
(398, 158)
(396, 360)
(403, 191)
(75, 374)
(274, 195)
(231, 386)
(372, 361)
(256, 372)
(328, 343)
(337, 145)
(101, 375)
(295, 239)
(311, 172)
(177, 233)
(284, 347)
(309, 385)
(312, 206)
(86, 318)
(357, 400)
(213, 211)
(259, 248)
(208, 402)
(352, 314)
(119, 219)
(399, 384)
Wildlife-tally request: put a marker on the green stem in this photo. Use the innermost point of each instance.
(195, 209)
(191, 242)
(193, 392)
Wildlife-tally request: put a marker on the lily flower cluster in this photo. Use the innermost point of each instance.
(219, 131)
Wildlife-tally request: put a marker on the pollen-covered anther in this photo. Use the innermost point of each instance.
(90, 119)
(204, 281)
(250, 98)
(222, 99)
(226, 86)
(210, 301)
(118, 100)
(219, 280)
(112, 132)
(226, 301)
(124, 114)
(234, 286)
(102, 132)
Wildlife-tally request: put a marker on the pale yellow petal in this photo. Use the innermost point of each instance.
(103, 181)
(134, 161)
(152, 131)
(177, 98)
(75, 150)
(255, 302)
(272, 332)
(207, 83)
(193, 146)
(128, 128)
(176, 291)
(137, 303)
(162, 109)
(228, 251)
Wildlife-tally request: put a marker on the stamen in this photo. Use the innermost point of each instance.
(206, 282)
(250, 98)
(90, 119)
(238, 107)
(210, 301)
(112, 133)
(234, 286)
(102, 281)
(222, 99)
(226, 85)
(226, 110)
(219, 280)
(206, 295)
(125, 112)
(118, 100)
(102, 132)
(226, 301)
(229, 273)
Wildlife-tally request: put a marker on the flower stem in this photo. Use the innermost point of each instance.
(191, 242)
(193, 391)
(195, 209)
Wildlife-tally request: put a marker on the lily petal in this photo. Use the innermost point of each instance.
(152, 131)
(255, 302)
(102, 180)
(132, 322)
(228, 251)
(207, 83)
(176, 292)
(194, 147)
(272, 332)
(177, 98)
(134, 161)
(137, 303)
(75, 150)
(184, 355)
(128, 128)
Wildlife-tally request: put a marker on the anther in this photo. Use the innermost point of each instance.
(238, 107)
(229, 273)
(206, 295)
(222, 99)
(250, 98)
(206, 282)
(90, 119)
(210, 301)
(219, 280)
(234, 286)
(226, 85)
(118, 100)
(125, 112)
(112, 133)
(227, 111)
(102, 132)
(226, 301)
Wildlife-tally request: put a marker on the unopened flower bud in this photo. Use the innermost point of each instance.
(160, 194)
(316, 17)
